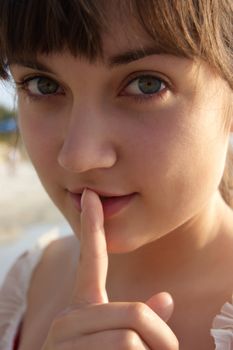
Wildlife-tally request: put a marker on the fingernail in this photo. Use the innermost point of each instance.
(82, 199)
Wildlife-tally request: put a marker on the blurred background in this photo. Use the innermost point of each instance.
(26, 212)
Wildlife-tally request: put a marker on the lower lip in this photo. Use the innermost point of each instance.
(111, 206)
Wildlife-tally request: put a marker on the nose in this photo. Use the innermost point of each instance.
(87, 143)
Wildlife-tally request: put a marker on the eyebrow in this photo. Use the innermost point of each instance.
(113, 61)
(133, 55)
(32, 64)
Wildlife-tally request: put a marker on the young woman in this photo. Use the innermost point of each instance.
(125, 108)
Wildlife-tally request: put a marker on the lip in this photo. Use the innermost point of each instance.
(111, 204)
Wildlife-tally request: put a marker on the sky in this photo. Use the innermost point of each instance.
(6, 95)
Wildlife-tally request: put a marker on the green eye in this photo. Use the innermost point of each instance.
(46, 86)
(41, 86)
(145, 85)
(149, 85)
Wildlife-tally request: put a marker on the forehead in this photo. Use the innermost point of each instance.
(126, 36)
(124, 31)
(119, 29)
(124, 42)
(116, 29)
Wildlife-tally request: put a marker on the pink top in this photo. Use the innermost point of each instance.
(13, 303)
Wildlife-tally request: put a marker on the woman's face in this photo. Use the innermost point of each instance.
(153, 126)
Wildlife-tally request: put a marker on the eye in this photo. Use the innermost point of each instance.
(39, 86)
(145, 85)
(43, 86)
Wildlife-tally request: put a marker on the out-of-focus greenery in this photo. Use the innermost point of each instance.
(6, 113)
(11, 139)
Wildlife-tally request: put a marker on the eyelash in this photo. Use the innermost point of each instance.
(143, 98)
(22, 85)
(140, 98)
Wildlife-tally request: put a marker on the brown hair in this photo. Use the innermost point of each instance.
(187, 28)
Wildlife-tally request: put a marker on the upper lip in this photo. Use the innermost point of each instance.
(100, 193)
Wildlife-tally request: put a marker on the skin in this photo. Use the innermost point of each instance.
(171, 151)
(121, 325)
(92, 137)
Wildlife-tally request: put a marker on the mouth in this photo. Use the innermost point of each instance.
(111, 204)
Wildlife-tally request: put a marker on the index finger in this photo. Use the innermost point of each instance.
(90, 284)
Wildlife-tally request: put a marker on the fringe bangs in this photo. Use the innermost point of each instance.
(189, 28)
(44, 26)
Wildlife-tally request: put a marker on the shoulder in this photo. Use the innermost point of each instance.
(50, 286)
(58, 263)
(19, 280)
(59, 253)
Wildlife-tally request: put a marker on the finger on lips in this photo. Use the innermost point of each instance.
(93, 260)
(91, 315)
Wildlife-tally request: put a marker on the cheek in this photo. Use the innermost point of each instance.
(181, 163)
(40, 133)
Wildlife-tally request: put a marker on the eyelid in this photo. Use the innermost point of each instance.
(23, 84)
(31, 76)
(35, 74)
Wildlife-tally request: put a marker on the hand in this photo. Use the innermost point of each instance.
(93, 323)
